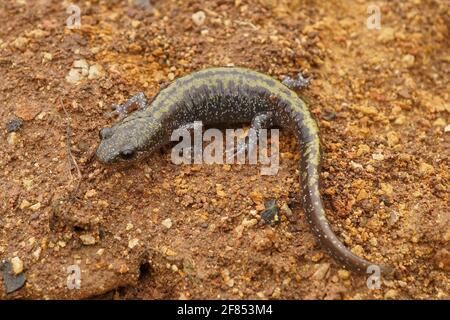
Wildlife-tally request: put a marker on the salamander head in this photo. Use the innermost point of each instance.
(127, 140)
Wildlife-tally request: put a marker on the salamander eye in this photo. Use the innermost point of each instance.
(105, 133)
(127, 154)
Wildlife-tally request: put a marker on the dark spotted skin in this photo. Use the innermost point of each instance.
(231, 95)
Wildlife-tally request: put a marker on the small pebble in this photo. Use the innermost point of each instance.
(442, 259)
(25, 204)
(135, 24)
(74, 76)
(133, 243)
(393, 218)
(167, 223)
(321, 271)
(344, 274)
(87, 239)
(36, 206)
(13, 138)
(14, 125)
(20, 43)
(404, 93)
(387, 189)
(386, 35)
(362, 149)
(83, 65)
(286, 210)
(362, 194)
(447, 128)
(408, 60)
(226, 277)
(37, 33)
(221, 193)
(447, 236)
(391, 294)
(256, 197)
(62, 244)
(439, 122)
(79, 71)
(249, 223)
(358, 250)
(27, 183)
(90, 194)
(356, 165)
(276, 294)
(47, 56)
(392, 138)
(261, 295)
(199, 18)
(37, 253)
(123, 269)
(17, 265)
(95, 72)
(129, 226)
(426, 168)
(378, 156)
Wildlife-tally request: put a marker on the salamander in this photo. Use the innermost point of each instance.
(231, 95)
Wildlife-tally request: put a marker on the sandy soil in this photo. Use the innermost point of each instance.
(381, 100)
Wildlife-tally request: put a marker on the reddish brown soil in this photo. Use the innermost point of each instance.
(385, 174)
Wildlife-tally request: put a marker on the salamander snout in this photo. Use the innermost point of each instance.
(119, 143)
(127, 140)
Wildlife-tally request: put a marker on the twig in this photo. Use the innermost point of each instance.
(72, 161)
(247, 24)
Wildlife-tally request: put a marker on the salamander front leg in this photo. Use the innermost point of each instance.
(299, 83)
(139, 100)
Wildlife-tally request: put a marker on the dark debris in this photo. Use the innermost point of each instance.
(11, 282)
(270, 214)
(14, 125)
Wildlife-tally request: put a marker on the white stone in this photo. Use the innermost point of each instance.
(199, 18)
(95, 72)
(17, 265)
(133, 243)
(167, 223)
(74, 76)
(87, 239)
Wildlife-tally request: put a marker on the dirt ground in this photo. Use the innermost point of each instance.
(381, 98)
